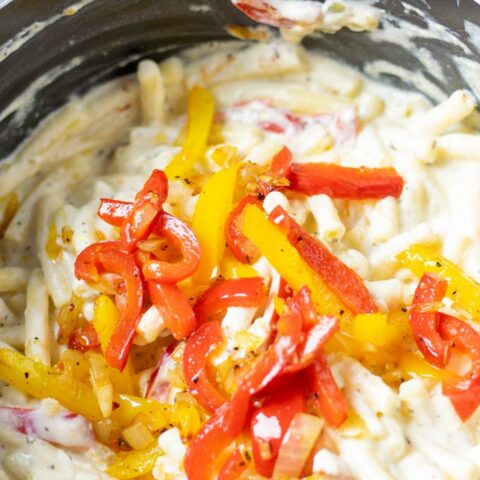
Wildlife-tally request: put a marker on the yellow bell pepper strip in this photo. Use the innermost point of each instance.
(462, 289)
(210, 217)
(201, 107)
(186, 417)
(412, 365)
(39, 381)
(231, 268)
(157, 416)
(129, 407)
(134, 464)
(379, 329)
(105, 319)
(371, 328)
(284, 257)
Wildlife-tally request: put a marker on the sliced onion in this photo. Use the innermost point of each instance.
(107, 431)
(101, 382)
(138, 436)
(296, 445)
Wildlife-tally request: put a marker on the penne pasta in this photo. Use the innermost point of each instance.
(13, 335)
(13, 279)
(37, 328)
(152, 92)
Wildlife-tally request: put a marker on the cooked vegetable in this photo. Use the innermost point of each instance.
(285, 258)
(114, 212)
(270, 423)
(84, 339)
(206, 339)
(240, 246)
(134, 464)
(297, 445)
(146, 208)
(39, 381)
(242, 292)
(414, 365)
(231, 268)
(345, 182)
(234, 467)
(462, 289)
(229, 419)
(465, 392)
(344, 282)
(373, 328)
(174, 308)
(277, 176)
(425, 319)
(101, 382)
(200, 116)
(209, 220)
(108, 257)
(105, 319)
(138, 436)
(465, 338)
(178, 235)
(327, 396)
(203, 450)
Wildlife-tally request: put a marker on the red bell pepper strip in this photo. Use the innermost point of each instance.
(326, 394)
(344, 281)
(345, 182)
(239, 292)
(195, 365)
(465, 401)
(464, 394)
(282, 163)
(240, 246)
(174, 308)
(130, 304)
(280, 168)
(182, 237)
(146, 207)
(425, 324)
(234, 467)
(88, 266)
(84, 339)
(464, 338)
(204, 449)
(315, 339)
(270, 423)
(114, 212)
(284, 292)
(108, 257)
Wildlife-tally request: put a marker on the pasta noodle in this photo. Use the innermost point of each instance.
(13, 279)
(37, 329)
(152, 92)
(440, 118)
